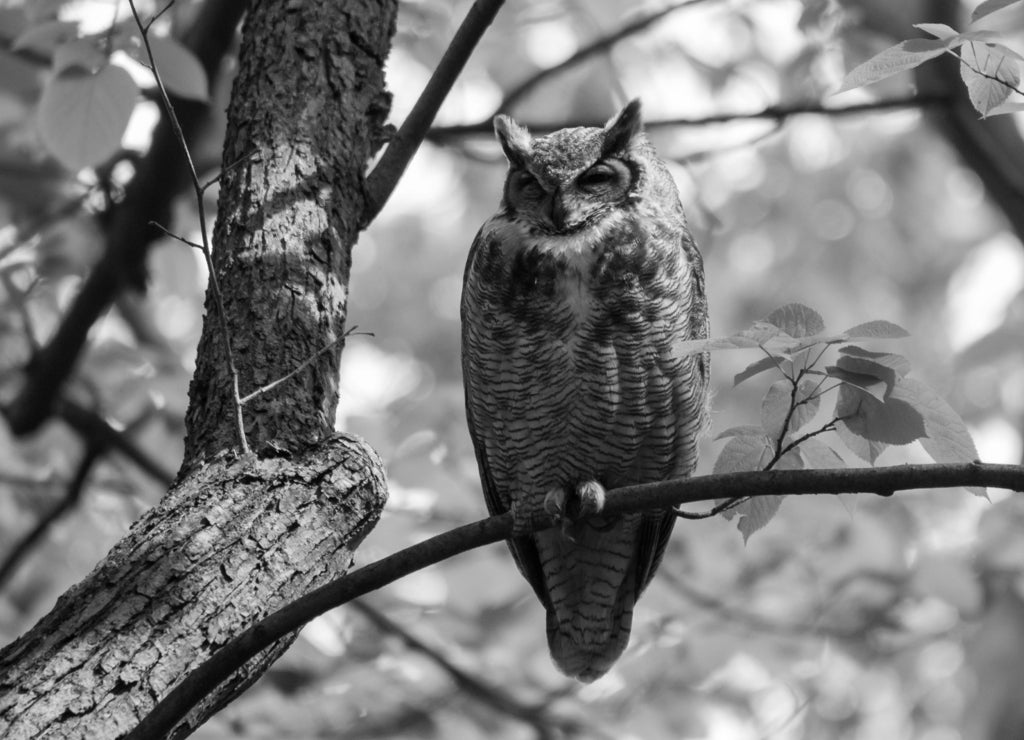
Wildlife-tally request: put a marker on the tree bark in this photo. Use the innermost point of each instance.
(236, 538)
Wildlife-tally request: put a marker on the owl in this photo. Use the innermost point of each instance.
(575, 296)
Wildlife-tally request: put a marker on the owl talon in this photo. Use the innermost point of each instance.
(590, 496)
(554, 504)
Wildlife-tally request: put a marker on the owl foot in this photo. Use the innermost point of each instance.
(588, 499)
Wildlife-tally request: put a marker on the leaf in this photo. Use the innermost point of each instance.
(946, 437)
(760, 510)
(45, 37)
(81, 54)
(775, 407)
(817, 454)
(1002, 17)
(805, 409)
(755, 513)
(878, 329)
(899, 58)
(748, 430)
(898, 363)
(180, 70)
(868, 366)
(796, 320)
(980, 63)
(868, 426)
(938, 30)
(743, 453)
(867, 383)
(83, 116)
(756, 368)
(990, 6)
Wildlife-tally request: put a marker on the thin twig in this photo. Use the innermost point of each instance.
(176, 237)
(382, 180)
(533, 714)
(597, 46)
(651, 496)
(302, 366)
(207, 252)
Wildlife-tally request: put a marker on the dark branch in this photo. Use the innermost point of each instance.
(94, 429)
(381, 182)
(442, 134)
(532, 714)
(71, 497)
(236, 652)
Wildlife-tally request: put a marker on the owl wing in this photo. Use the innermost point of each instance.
(692, 385)
(524, 551)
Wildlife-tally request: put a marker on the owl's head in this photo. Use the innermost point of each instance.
(576, 177)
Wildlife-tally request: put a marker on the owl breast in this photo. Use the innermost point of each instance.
(572, 375)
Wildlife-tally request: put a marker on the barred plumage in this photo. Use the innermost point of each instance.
(575, 296)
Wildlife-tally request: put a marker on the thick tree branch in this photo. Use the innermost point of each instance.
(147, 199)
(382, 180)
(881, 481)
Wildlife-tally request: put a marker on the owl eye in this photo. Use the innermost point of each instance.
(526, 185)
(599, 177)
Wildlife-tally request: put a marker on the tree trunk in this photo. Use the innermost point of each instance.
(236, 538)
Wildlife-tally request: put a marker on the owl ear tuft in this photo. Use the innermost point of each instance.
(515, 139)
(623, 128)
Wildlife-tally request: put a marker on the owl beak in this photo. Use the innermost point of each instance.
(560, 213)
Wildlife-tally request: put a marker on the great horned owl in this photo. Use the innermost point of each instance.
(575, 296)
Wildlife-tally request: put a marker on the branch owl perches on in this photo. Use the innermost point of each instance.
(575, 297)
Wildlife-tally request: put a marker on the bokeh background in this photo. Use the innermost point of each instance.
(849, 617)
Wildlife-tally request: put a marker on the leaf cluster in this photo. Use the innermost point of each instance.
(864, 396)
(990, 69)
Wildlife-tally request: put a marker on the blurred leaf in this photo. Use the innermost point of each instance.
(868, 426)
(797, 320)
(878, 329)
(45, 37)
(946, 437)
(179, 69)
(938, 30)
(990, 6)
(81, 54)
(899, 58)
(775, 407)
(756, 368)
(83, 116)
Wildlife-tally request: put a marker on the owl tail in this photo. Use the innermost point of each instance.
(585, 653)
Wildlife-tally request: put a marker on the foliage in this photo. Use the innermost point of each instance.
(89, 96)
(990, 68)
(873, 404)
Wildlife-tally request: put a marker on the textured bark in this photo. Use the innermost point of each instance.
(235, 539)
(225, 547)
(306, 115)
